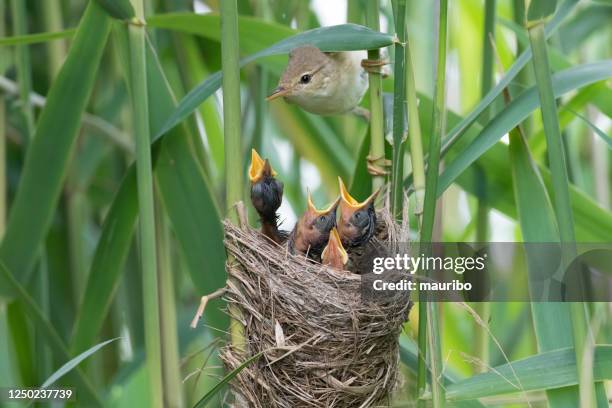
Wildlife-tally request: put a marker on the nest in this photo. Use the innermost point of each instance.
(322, 345)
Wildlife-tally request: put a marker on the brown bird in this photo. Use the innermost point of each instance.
(357, 221)
(334, 253)
(266, 195)
(325, 83)
(311, 232)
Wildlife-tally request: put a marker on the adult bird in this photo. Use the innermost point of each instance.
(334, 253)
(357, 221)
(324, 83)
(266, 196)
(311, 232)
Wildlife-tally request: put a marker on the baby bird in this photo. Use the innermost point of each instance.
(334, 254)
(266, 195)
(324, 83)
(311, 232)
(357, 220)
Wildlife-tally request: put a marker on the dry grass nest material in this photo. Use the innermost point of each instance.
(323, 345)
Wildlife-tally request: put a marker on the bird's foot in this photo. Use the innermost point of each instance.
(378, 166)
(361, 112)
(374, 66)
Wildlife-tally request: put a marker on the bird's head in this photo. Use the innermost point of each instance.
(314, 226)
(334, 253)
(306, 76)
(357, 219)
(259, 168)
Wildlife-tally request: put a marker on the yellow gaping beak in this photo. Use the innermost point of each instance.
(350, 202)
(259, 167)
(278, 92)
(311, 207)
(334, 251)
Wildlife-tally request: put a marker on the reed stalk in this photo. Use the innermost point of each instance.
(232, 127)
(481, 343)
(428, 311)
(24, 81)
(52, 18)
(583, 340)
(146, 204)
(397, 175)
(23, 66)
(173, 391)
(3, 183)
(415, 137)
(377, 134)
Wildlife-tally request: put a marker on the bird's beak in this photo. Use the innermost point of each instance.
(259, 167)
(278, 92)
(334, 249)
(350, 203)
(311, 207)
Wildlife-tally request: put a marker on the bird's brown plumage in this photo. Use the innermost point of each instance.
(311, 232)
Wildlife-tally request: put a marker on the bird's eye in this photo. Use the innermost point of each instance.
(304, 79)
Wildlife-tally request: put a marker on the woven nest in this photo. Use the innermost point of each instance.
(322, 345)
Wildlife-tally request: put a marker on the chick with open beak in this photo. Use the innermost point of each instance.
(357, 221)
(311, 232)
(334, 253)
(324, 83)
(266, 195)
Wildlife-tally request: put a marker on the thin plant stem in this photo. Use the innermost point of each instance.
(397, 176)
(2, 166)
(173, 391)
(487, 51)
(52, 19)
(260, 85)
(3, 126)
(439, 124)
(428, 313)
(481, 343)
(561, 198)
(23, 66)
(24, 81)
(76, 200)
(231, 127)
(415, 137)
(377, 135)
(146, 204)
(523, 78)
(418, 171)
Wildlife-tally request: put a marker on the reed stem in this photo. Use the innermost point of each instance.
(481, 343)
(146, 205)
(52, 18)
(231, 127)
(173, 391)
(561, 199)
(377, 135)
(397, 175)
(415, 137)
(428, 311)
(439, 125)
(23, 66)
(3, 183)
